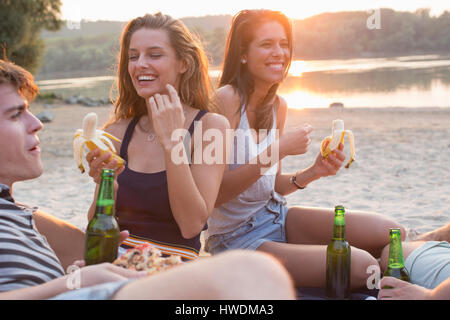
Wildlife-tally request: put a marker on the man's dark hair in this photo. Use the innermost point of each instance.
(20, 78)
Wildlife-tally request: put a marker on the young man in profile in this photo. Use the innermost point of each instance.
(35, 248)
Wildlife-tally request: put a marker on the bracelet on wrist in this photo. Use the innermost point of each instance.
(294, 181)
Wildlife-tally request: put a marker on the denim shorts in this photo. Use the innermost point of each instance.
(104, 291)
(267, 224)
(429, 265)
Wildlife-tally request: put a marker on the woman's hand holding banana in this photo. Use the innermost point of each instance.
(329, 166)
(330, 143)
(331, 157)
(102, 154)
(95, 139)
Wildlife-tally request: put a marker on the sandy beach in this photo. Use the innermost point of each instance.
(402, 165)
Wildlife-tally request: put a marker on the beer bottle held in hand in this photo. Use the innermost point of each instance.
(396, 266)
(102, 233)
(338, 259)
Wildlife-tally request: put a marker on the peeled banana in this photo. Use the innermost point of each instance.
(337, 136)
(93, 138)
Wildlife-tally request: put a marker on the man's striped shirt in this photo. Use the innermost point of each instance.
(26, 258)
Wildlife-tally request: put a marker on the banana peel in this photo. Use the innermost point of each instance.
(330, 143)
(93, 138)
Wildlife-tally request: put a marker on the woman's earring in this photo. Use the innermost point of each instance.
(244, 61)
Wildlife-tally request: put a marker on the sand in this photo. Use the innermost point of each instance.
(402, 165)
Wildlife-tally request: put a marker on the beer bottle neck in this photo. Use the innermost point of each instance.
(105, 198)
(339, 227)
(396, 252)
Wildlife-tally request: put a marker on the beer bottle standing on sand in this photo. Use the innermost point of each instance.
(102, 233)
(396, 266)
(338, 259)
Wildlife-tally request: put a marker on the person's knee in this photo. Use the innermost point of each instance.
(391, 224)
(402, 230)
(361, 267)
(381, 230)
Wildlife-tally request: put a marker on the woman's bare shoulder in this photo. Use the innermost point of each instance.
(118, 127)
(227, 92)
(229, 103)
(228, 98)
(213, 120)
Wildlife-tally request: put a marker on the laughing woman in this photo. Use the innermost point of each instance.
(251, 212)
(163, 86)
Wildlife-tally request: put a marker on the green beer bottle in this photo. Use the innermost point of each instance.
(338, 259)
(396, 266)
(102, 233)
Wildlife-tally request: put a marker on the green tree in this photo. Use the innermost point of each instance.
(21, 23)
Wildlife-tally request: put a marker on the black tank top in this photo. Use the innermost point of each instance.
(143, 208)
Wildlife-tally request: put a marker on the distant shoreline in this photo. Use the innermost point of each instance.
(60, 102)
(405, 81)
(64, 74)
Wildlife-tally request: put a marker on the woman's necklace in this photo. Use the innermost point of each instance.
(151, 136)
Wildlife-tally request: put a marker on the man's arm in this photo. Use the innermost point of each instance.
(85, 277)
(442, 291)
(43, 291)
(65, 239)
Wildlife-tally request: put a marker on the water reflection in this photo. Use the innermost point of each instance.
(413, 81)
(386, 87)
(360, 65)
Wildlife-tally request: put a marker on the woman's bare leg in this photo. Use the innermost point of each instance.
(236, 275)
(364, 230)
(440, 234)
(307, 263)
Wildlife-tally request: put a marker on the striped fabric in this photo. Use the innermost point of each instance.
(186, 253)
(26, 258)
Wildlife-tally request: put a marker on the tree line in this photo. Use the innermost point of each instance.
(346, 34)
(21, 22)
(86, 49)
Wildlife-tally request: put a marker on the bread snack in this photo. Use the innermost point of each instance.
(147, 258)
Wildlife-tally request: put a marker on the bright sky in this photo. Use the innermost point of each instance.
(76, 10)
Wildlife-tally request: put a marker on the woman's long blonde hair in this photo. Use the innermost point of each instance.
(195, 84)
(236, 73)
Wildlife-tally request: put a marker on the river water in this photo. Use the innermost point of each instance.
(410, 81)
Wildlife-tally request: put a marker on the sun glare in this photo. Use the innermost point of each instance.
(298, 67)
(300, 99)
